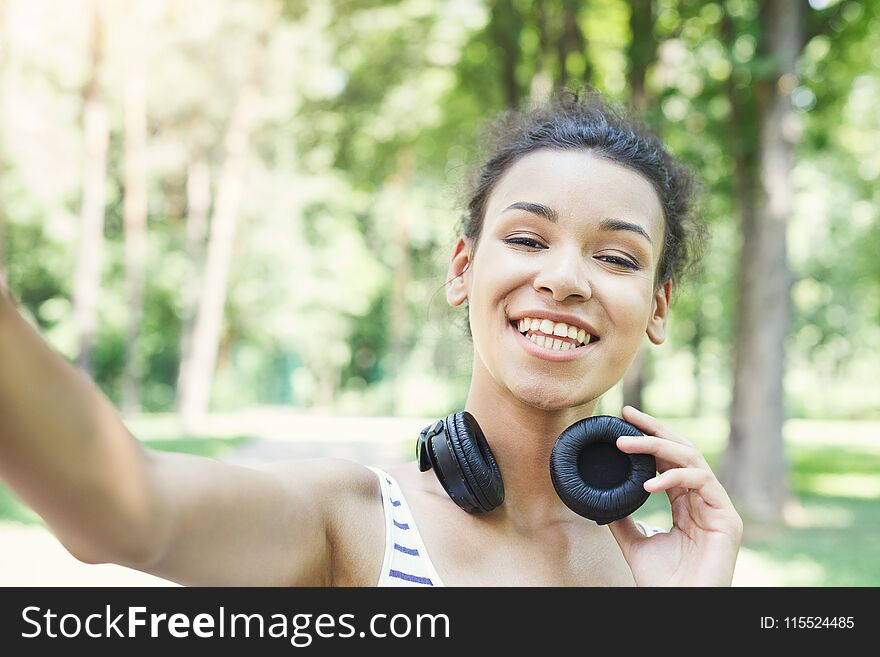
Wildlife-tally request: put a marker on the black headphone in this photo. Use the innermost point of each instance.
(591, 476)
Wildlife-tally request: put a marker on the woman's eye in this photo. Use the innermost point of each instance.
(525, 241)
(620, 261)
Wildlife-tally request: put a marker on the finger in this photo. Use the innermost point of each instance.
(652, 425)
(701, 480)
(663, 448)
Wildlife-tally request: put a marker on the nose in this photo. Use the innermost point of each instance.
(564, 275)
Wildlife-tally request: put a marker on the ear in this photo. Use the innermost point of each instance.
(657, 324)
(456, 277)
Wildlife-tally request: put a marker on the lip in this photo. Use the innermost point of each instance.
(571, 320)
(548, 354)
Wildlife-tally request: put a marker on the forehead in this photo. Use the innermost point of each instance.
(579, 186)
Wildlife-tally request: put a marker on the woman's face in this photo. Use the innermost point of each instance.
(595, 263)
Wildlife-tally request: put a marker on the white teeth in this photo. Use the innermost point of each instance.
(560, 329)
(550, 343)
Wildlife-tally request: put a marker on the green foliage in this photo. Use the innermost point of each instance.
(366, 123)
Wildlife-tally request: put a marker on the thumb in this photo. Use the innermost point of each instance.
(626, 534)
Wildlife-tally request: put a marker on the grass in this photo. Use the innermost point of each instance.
(832, 534)
(211, 447)
(836, 544)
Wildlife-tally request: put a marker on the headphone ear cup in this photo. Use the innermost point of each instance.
(594, 478)
(475, 459)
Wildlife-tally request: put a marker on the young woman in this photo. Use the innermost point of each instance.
(578, 219)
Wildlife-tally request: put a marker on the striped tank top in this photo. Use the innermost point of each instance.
(406, 561)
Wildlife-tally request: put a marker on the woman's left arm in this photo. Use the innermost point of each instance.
(702, 546)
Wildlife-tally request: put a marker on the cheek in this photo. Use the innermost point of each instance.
(628, 306)
(502, 275)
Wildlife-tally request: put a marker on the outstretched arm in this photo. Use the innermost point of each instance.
(65, 451)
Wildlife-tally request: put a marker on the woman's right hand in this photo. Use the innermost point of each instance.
(702, 546)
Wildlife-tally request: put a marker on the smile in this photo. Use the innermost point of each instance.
(545, 346)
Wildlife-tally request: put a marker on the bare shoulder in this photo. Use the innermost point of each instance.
(350, 496)
(326, 479)
(271, 524)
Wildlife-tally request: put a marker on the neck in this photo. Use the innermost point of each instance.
(521, 436)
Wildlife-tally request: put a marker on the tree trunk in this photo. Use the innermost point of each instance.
(571, 40)
(542, 81)
(198, 195)
(399, 323)
(4, 59)
(89, 260)
(753, 467)
(134, 210)
(696, 343)
(634, 379)
(642, 52)
(194, 394)
(327, 388)
(505, 25)
(559, 35)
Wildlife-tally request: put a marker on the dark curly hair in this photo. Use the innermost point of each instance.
(582, 119)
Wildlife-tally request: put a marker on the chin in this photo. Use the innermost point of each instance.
(548, 398)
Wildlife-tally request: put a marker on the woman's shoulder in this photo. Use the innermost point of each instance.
(342, 489)
(351, 498)
(328, 477)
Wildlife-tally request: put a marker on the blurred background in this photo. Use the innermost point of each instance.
(237, 218)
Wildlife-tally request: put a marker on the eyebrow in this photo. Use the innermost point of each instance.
(551, 216)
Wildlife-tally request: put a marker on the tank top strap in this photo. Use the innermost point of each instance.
(405, 561)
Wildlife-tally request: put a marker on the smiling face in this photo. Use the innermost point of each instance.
(570, 233)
